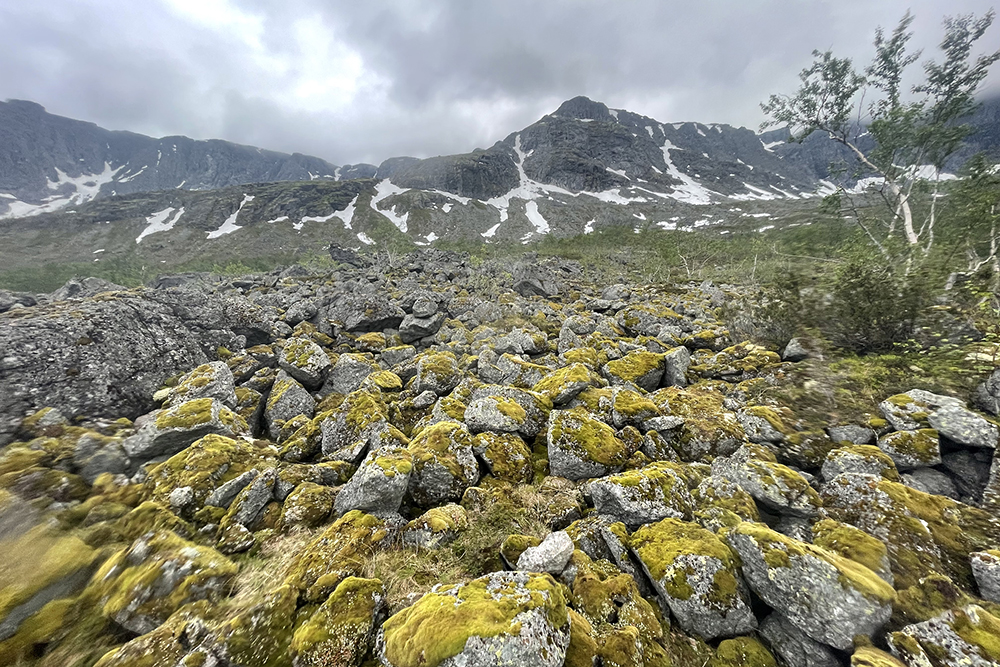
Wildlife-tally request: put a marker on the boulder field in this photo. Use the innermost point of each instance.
(425, 466)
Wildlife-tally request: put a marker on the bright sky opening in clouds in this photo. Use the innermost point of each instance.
(356, 81)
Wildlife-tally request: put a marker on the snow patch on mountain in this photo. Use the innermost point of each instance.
(230, 226)
(384, 190)
(690, 191)
(84, 188)
(535, 218)
(347, 215)
(158, 222)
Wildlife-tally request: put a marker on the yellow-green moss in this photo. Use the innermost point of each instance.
(869, 656)
(850, 542)
(578, 432)
(341, 629)
(660, 544)
(742, 652)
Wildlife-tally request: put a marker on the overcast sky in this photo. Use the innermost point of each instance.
(362, 80)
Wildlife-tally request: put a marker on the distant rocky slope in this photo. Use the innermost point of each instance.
(49, 162)
(434, 464)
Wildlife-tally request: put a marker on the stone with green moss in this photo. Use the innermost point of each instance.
(177, 427)
(347, 428)
(581, 447)
(504, 618)
(710, 428)
(863, 459)
(436, 527)
(869, 656)
(855, 544)
(968, 635)
(629, 408)
(349, 373)
(140, 587)
(562, 386)
(928, 598)
(536, 406)
(964, 427)
(735, 363)
(305, 361)
(986, 569)
(646, 319)
(152, 516)
(506, 455)
(212, 380)
(771, 484)
(764, 424)
(829, 598)
(437, 372)
(638, 497)
(718, 493)
(379, 483)
(910, 411)
(912, 449)
(922, 532)
(640, 369)
(342, 630)
(515, 545)
(287, 399)
(444, 464)
(515, 372)
(742, 652)
(307, 506)
(496, 414)
(697, 576)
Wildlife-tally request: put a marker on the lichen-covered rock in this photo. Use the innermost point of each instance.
(287, 399)
(629, 408)
(964, 427)
(762, 425)
(444, 464)
(536, 406)
(852, 434)
(305, 361)
(641, 369)
(515, 372)
(735, 363)
(646, 319)
(436, 527)
(696, 576)
(563, 385)
(338, 552)
(772, 484)
(676, 363)
(964, 636)
(140, 587)
(550, 556)
(829, 598)
(912, 449)
(794, 647)
(349, 373)
(307, 506)
(862, 459)
(175, 428)
(505, 619)
(437, 372)
(342, 630)
(742, 652)
(212, 380)
(854, 544)
(347, 429)
(910, 411)
(581, 447)
(496, 414)
(506, 455)
(379, 483)
(710, 428)
(986, 570)
(638, 497)
(923, 533)
(714, 496)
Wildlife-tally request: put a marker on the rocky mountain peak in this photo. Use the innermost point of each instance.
(584, 108)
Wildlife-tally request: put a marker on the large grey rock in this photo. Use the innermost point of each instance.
(287, 399)
(986, 569)
(638, 497)
(535, 406)
(169, 431)
(851, 433)
(305, 361)
(581, 447)
(830, 599)
(932, 481)
(94, 455)
(444, 464)
(212, 380)
(964, 427)
(533, 280)
(912, 449)
(379, 484)
(906, 411)
(772, 484)
(794, 647)
(107, 357)
(413, 328)
(349, 373)
(965, 636)
(365, 312)
(987, 394)
(521, 606)
(676, 363)
(224, 494)
(550, 556)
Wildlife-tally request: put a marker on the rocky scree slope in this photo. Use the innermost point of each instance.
(391, 470)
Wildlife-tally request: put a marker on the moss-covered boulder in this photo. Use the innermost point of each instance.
(349, 373)
(307, 506)
(714, 496)
(563, 385)
(869, 656)
(581, 447)
(863, 459)
(444, 464)
(829, 598)
(437, 372)
(536, 407)
(347, 428)
(710, 428)
(923, 533)
(496, 414)
(742, 652)
(212, 380)
(436, 527)
(697, 576)
(966, 636)
(735, 363)
(504, 618)
(338, 552)
(637, 497)
(287, 399)
(140, 587)
(515, 372)
(776, 486)
(909, 411)
(305, 361)
(379, 483)
(646, 319)
(506, 456)
(964, 427)
(641, 369)
(175, 428)
(342, 630)
(854, 544)
(912, 449)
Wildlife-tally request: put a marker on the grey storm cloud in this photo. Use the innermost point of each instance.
(363, 81)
